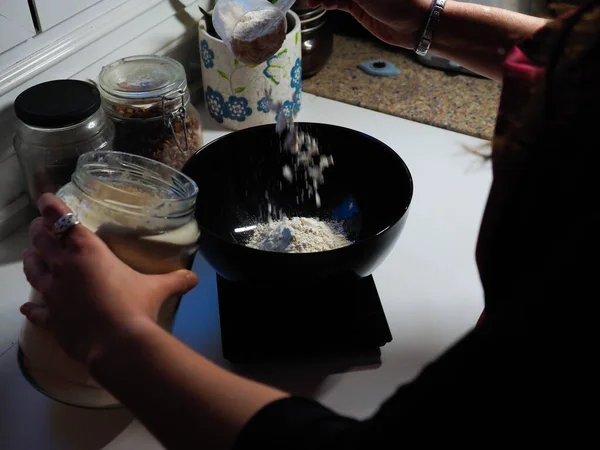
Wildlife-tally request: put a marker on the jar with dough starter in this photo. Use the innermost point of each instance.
(144, 211)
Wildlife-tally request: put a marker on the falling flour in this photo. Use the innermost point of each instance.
(309, 164)
(299, 235)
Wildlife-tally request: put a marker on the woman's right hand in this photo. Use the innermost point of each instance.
(397, 22)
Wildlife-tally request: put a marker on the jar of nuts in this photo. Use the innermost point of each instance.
(148, 100)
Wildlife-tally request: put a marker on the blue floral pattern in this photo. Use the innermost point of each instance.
(297, 100)
(287, 109)
(296, 75)
(237, 108)
(274, 69)
(206, 54)
(264, 104)
(216, 104)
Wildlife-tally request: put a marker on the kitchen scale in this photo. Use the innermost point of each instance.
(338, 319)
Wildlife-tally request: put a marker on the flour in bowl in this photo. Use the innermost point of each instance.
(299, 235)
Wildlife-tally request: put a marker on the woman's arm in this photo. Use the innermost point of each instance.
(475, 36)
(186, 401)
(500, 381)
(478, 37)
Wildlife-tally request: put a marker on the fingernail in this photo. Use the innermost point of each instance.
(191, 277)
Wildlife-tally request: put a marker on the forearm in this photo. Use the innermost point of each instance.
(182, 398)
(478, 37)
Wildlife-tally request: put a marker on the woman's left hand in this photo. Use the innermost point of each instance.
(91, 296)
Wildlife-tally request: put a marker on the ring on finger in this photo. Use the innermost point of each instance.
(62, 226)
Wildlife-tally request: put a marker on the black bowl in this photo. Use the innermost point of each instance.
(369, 187)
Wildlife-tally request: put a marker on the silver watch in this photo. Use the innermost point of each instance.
(435, 15)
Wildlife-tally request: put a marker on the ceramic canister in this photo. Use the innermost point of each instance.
(235, 94)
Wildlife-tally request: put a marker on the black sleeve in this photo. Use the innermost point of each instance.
(514, 377)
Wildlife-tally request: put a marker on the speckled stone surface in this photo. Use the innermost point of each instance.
(456, 102)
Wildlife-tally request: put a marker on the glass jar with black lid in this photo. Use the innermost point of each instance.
(59, 121)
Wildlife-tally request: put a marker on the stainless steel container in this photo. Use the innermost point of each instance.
(317, 38)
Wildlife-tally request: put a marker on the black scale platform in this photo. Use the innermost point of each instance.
(268, 323)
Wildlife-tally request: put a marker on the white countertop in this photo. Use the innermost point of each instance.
(428, 286)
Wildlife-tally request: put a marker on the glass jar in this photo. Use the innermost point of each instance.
(144, 211)
(59, 121)
(148, 100)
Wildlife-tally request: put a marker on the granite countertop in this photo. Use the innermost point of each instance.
(462, 103)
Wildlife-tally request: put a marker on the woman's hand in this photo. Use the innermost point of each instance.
(397, 22)
(91, 297)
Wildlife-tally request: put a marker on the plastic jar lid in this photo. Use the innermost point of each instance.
(57, 104)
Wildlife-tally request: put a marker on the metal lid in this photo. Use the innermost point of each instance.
(139, 77)
(57, 103)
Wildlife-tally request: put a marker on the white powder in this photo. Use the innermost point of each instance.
(308, 160)
(299, 235)
(258, 35)
(287, 173)
(309, 163)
